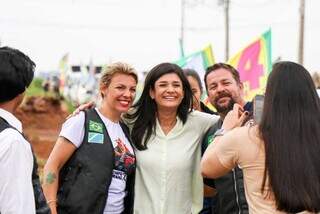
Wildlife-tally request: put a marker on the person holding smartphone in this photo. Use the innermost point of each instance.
(280, 155)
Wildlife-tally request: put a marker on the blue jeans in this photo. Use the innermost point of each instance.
(208, 205)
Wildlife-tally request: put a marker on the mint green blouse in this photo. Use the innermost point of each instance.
(168, 177)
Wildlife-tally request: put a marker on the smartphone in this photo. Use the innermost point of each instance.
(257, 108)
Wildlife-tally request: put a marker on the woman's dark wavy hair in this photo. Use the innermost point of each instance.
(290, 129)
(146, 108)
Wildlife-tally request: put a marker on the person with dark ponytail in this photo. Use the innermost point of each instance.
(280, 156)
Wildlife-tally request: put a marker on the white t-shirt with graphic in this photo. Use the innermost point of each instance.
(123, 153)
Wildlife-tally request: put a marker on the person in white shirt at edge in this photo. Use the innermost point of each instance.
(117, 89)
(167, 136)
(16, 159)
(279, 156)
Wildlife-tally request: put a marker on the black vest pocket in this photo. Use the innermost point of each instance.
(67, 179)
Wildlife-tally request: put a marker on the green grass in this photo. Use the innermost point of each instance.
(35, 89)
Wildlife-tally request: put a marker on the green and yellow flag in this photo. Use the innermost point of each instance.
(254, 65)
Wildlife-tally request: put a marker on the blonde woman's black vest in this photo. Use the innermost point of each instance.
(85, 179)
(40, 201)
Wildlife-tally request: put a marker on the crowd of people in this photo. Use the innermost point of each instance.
(167, 153)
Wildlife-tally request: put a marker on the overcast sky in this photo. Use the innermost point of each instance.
(146, 32)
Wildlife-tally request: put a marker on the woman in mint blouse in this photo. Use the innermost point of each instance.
(166, 134)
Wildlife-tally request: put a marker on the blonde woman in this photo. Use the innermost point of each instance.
(91, 168)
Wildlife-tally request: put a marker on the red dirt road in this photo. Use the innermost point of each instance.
(42, 118)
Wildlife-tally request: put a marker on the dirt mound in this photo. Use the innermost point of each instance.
(42, 118)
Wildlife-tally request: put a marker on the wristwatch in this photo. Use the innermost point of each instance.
(219, 132)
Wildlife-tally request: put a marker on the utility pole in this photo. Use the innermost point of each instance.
(181, 40)
(226, 14)
(301, 32)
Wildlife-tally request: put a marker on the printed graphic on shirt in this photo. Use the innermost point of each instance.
(124, 161)
(96, 127)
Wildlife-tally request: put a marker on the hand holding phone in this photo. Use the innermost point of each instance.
(234, 118)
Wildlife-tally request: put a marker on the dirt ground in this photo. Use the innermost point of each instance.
(42, 118)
